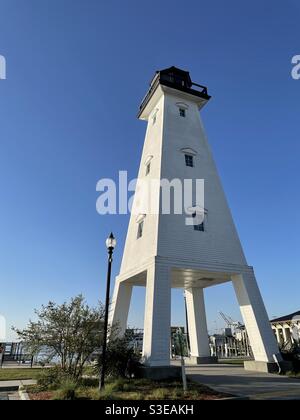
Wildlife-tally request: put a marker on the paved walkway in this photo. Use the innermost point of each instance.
(9, 396)
(9, 389)
(16, 384)
(235, 380)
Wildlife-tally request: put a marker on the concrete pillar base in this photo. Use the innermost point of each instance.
(159, 372)
(196, 360)
(267, 367)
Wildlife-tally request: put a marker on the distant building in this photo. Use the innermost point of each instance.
(234, 342)
(287, 329)
(231, 344)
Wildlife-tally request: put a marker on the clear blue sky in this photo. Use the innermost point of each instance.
(76, 72)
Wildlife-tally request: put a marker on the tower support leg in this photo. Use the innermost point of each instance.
(199, 342)
(119, 307)
(157, 322)
(262, 339)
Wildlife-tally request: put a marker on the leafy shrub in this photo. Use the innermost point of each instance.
(89, 382)
(293, 355)
(69, 333)
(67, 391)
(121, 360)
(52, 378)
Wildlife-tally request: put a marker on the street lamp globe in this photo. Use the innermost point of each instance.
(111, 242)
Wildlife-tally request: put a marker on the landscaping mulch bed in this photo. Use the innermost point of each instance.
(134, 390)
(41, 396)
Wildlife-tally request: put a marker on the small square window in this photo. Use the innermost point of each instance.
(200, 227)
(189, 161)
(140, 230)
(148, 168)
(182, 112)
(154, 119)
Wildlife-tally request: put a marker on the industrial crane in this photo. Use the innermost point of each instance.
(230, 322)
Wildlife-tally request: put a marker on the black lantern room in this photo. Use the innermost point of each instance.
(174, 78)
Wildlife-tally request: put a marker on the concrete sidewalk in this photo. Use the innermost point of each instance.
(235, 380)
(9, 390)
(9, 396)
(16, 384)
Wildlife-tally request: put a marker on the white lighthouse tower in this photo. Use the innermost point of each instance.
(163, 251)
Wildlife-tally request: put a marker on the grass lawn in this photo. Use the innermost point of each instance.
(12, 374)
(130, 389)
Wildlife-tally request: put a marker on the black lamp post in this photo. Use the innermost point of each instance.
(186, 323)
(110, 244)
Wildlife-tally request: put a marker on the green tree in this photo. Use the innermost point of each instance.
(69, 333)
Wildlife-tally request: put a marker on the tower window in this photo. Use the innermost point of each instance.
(200, 227)
(148, 168)
(189, 160)
(140, 230)
(182, 112)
